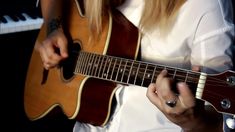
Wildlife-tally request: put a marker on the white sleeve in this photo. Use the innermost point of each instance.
(213, 43)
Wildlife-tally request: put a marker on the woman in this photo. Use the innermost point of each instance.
(189, 34)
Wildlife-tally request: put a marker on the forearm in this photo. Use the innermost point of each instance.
(51, 9)
(208, 120)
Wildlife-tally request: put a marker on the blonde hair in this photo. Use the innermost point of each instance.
(157, 13)
(160, 14)
(93, 11)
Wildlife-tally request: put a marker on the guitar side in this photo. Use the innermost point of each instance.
(80, 97)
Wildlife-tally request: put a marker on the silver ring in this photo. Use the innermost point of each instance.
(171, 103)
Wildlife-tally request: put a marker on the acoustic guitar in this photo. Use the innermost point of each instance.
(83, 85)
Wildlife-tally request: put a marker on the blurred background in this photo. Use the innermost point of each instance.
(20, 21)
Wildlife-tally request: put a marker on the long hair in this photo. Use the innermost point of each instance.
(157, 13)
(94, 9)
(160, 14)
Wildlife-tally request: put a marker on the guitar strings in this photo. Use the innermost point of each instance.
(142, 71)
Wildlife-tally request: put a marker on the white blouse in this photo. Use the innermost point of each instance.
(202, 35)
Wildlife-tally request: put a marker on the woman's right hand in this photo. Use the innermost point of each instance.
(53, 49)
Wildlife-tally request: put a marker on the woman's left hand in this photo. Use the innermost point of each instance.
(182, 108)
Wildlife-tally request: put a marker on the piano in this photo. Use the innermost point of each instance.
(19, 16)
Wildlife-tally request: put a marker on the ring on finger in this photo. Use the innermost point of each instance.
(171, 103)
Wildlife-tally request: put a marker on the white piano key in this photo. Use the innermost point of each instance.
(12, 26)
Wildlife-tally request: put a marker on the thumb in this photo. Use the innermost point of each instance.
(63, 46)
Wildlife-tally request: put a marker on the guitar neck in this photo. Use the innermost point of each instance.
(128, 71)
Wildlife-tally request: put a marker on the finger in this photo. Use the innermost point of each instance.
(63, 46)
(153, 96)
(167, 97)
(51, 56)
(161, 75)
(46, 60)
(164, 85)
(43, 57)
(185, 96)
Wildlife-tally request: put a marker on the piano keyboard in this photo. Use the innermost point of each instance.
(22, 22)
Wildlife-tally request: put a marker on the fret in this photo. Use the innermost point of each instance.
(129, 75)
(140, 75)
(164, 67)
(174, 74)
(159, 68)
(171, 72)
(82, 63)
(110, 65)
(113, 69)
(148, 76)
(186, 77)
(91, 65)
(101, 67)
(85, 63)
(181, 75)
(104, 73)
(88, 64)
(95, 65)
(116, 70)
(193, 77)
(136, 75)
(121, 70)
(133, 72)
(144, 74)
(125, 72)
(154, 70)
(77, 64)
(98, 66)
(119, 67)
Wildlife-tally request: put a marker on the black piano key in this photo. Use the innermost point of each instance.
(21, 17)
(3, 19)
(14, 17)
(32, 15)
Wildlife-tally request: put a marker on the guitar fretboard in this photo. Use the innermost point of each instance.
(128, 71)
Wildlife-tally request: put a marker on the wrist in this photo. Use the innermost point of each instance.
(54, 24)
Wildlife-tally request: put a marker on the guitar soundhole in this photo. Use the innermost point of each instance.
(68, 65)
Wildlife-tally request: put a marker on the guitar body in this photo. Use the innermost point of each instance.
(80, 97)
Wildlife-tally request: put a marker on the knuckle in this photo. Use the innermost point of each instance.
(168, 111)
(164, 95)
